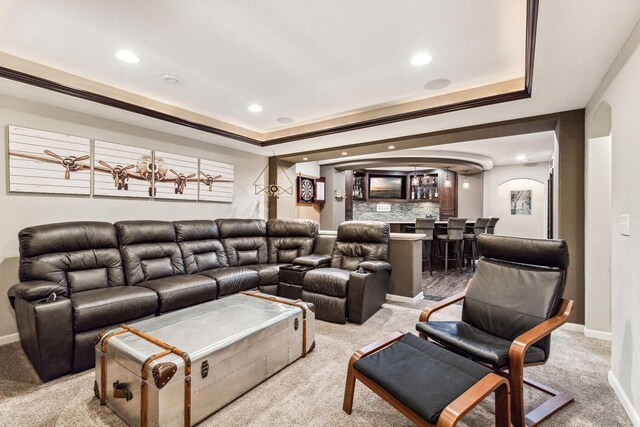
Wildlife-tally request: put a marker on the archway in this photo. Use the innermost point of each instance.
(598, 224)
(522, 208)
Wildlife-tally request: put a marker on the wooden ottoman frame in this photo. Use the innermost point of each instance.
(491, 383)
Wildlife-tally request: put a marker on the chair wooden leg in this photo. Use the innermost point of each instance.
(459, 254)
(349, 389)
(429, 244)
(502, 407)
(517, 397)
(540, 413)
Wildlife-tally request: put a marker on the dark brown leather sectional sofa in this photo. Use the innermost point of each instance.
(103, 274)
(78, 279)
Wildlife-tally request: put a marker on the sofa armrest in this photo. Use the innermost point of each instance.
(375, 266)
(313, 260)
(366, 293)
(35, 290)
(46, 335)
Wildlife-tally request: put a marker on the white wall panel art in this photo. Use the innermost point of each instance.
(216, 181)
(48, 162)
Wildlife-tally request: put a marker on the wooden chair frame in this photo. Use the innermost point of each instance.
(491, 383)
(515, 371)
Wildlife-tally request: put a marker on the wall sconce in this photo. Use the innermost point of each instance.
(339, 194)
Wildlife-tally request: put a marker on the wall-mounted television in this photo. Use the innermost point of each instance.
(387, 187)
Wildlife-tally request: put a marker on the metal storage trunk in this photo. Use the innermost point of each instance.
(179, 368)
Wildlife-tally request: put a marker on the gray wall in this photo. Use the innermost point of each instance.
(332, 212)
(22, 210)
(470, 200)
(619, 92)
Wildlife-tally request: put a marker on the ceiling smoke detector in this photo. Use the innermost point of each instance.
(171, 79)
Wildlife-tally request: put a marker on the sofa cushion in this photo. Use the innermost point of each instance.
(79, 255)
(360, 241)
(288, 239)
(244, 240)
(99, 307)
(200, 244)
(180, 291)
(149, 250)
(232, 280)
(327, 281)
(269, 273)
(468, 340)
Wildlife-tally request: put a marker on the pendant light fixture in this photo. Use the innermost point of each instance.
(415, 180)
(447, 181)
(465, 183)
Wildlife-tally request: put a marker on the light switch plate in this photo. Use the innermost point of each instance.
(624, 225)
(383, 207)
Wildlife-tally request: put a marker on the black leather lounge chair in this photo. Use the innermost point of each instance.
(511, 306)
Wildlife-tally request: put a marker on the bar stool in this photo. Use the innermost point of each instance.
(426, 226)
(491, 228)
(471, 239)
(455, 230)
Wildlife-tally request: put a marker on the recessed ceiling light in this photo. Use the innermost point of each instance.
(305, 159)
(437, 84)
(344, 153)
(521, 157)
(127, 56)
(391, 147)
(284, 120)
(255, 108)
(421, 58)
(171, 79)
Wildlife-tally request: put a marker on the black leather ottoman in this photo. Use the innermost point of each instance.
(291, 276)
(426, 383)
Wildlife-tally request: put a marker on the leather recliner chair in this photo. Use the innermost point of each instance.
(355, 285)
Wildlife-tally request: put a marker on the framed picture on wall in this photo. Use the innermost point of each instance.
(216, 181)
(176, 176)
(122, 170)
(521, 202)
(306, 189)
(48, 162)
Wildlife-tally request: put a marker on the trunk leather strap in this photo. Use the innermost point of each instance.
(296, 303)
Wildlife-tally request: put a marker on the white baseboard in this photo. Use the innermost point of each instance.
(408, 300)
(8, 339)
(590, 333)
(601, 335)
(622, 397)
(573, 327)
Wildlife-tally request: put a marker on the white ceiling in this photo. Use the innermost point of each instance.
(576, 42)
(301, 59)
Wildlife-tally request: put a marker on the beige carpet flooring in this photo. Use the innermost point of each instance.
(310, 391)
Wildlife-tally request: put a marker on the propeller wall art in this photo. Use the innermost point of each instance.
(122, 170)
(46, 162)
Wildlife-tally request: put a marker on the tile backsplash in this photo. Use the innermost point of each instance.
(407, 211)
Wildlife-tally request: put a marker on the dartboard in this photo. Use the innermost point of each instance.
(306, 190)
